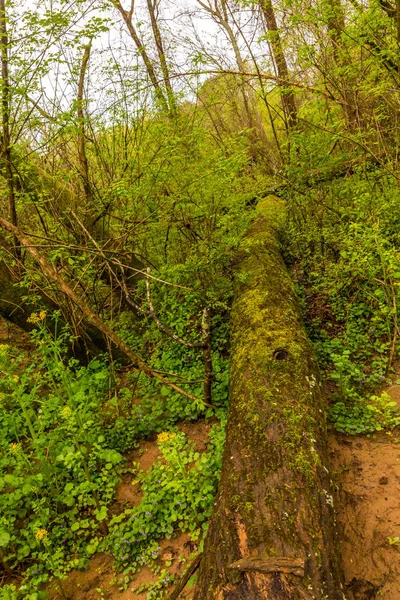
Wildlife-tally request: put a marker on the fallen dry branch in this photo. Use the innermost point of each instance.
(192, 568)
(64, 287)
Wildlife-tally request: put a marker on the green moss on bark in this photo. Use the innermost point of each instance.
(274, 498)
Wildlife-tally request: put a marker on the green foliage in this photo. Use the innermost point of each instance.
(178, 492)
(63, 430)
(182, 311)
(343, 244)
(57, 474)
(172, 194)
(379, 413)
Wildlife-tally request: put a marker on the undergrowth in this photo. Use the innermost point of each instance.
(343, 249)
(64, 430)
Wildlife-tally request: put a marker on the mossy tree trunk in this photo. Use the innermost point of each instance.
(271, 534)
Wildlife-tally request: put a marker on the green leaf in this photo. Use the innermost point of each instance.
(23, 552)
(192, 580)
(75, 526)
(91, 549)
(11, 480)
(101, 514)
(4, 538)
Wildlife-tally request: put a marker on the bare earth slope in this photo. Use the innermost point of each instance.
(368, 511)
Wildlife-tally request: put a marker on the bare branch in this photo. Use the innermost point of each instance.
(388, 7)
(64, 287)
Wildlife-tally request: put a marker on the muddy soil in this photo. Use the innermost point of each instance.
(100, 580)
(367, 473)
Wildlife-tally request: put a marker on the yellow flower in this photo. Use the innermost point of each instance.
(37, 317)
(165, 436)
(41, 534)
(33, 318)
(14, 448)
(66, 412)
(15, 378)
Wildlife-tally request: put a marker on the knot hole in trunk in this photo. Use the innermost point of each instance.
(280, 354)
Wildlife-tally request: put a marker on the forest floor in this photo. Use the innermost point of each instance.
(99, 580)
(367, 476)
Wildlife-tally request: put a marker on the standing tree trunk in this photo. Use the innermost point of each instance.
(5, 110)
(271, 534)
(288, 100)
(152, 7)
(83, 161)
(335, 18)
(221, 13)
(148, 63)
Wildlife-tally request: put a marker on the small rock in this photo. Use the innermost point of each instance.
(383, 481)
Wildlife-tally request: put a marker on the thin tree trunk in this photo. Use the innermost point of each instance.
(336, 25)
(151, 6)
(271, 535)
(288, 99)
(5, 104)
(83, 161)
(127, 16)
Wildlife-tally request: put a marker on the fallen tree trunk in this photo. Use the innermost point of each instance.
(271, 534)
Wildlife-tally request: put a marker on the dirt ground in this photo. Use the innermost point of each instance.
(100, 580)
(368, 511)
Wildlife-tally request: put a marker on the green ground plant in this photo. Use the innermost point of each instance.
(178, 493)
(64, 428)
(344, 253)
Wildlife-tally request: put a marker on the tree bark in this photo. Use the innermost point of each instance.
(5, 110)
(271, 534)
(288, 99)
(83, 161)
